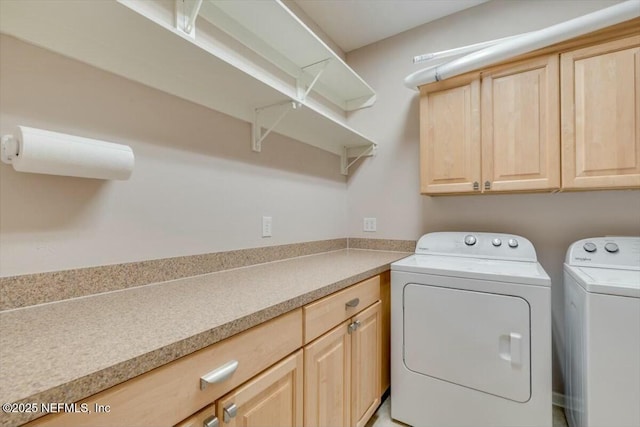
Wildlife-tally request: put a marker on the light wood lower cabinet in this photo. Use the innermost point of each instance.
(366, 364)
(273, 398)
(327, 373)
(170, 393)
(335, 380)
(208, 417)
(342, 372)
(385, 327)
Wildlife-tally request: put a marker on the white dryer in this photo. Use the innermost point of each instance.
(471, 333)
(602, 320)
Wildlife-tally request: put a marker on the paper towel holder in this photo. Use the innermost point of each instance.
(9, 149)
(53, 153)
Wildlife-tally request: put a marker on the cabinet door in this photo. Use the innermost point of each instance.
(385, 327)
(327, 384)
(366, 365)
(600, 113)
(450, 136)
(272, 399)
(521, 126)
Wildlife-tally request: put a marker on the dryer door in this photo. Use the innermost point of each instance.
(474, 339)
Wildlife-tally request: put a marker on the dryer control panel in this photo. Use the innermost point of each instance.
(477, 245)
(606, 252)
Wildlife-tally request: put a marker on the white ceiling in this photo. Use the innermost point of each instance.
(355, 23)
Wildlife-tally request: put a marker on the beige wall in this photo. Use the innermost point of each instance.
(387, 186)
(196, 188)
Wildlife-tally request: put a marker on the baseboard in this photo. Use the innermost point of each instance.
(559, 399)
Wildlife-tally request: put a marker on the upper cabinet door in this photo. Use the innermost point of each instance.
(521, 126)
(601, 116)
(450, 136)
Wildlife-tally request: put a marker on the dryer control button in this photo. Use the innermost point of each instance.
(513, 243)
(611, 247)
(590, 247)
(470, 240)
(496, 242)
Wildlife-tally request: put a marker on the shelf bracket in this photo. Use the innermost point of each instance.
(358, 152)
(186, 14)
(304, 90)
(257, 135)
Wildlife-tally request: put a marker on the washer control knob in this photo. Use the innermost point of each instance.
(470, 240)
(590, 247)
(496, 242)
(611, 247)
(513, 243)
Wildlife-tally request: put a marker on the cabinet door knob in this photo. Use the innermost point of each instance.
(219, 374)
(353, 326)
(353, 303)
(212, 421)
(476, 185)
(230, 411)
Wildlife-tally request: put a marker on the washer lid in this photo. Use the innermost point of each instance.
(523, 272)
(609, 281)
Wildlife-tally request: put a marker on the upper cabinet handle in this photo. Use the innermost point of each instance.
(353, 303)
(219, 374)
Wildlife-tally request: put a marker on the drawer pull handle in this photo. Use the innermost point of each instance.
(211, 422)
(219, 374)
(230, 411)
(353, 303)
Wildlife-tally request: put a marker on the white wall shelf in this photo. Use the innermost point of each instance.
(230, 60)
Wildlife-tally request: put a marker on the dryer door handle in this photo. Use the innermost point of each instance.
(516, 348)
(510, 348)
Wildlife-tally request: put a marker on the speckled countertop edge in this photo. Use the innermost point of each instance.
(109, 376)
(33, 289)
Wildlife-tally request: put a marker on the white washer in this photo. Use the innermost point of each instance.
(602, 319)
(471, 333)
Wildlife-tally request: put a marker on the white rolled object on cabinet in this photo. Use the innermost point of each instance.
(42, 151)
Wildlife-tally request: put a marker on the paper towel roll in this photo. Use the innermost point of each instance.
(42, 151)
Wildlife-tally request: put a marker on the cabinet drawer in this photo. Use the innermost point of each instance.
(326, 313)
(172, 392)
(198, 420)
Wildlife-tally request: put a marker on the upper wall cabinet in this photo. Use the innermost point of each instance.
(450, 136)
(253, 60)
(492, 132)
(520, 127)
(601, 116)
(567, 118)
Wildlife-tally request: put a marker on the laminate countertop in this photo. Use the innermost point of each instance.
(68, 350)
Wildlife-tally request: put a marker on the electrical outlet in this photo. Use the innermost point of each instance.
(369, 224)
(266, 226)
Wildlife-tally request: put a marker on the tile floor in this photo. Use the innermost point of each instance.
(382, 418)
